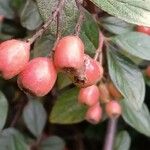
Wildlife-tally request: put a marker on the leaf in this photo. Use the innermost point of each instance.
(116, 25)
(122, 141)
(5, 9)
(66, 109)
(147, 80)
(53, 143)
(138, 119)
(30, 17)
(134, 43)
(3, 110)
(127, 78)
(35, 117)
(135, 11)
(11, 139)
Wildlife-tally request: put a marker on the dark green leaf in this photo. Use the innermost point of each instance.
(3, 110)
(11, 139)
(122, 141)
(66, 109)
(134, 43)
(30, 17)
(115, 25)
(138, 119)
(53, 143)
(5, 9)
(127, 78)
(132, 11)
(35, 117)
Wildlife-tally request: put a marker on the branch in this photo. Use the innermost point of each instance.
(110, 135)
(49, 21)
(80, 19)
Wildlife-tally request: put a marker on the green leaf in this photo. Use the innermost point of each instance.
(11, 139)
(138, 119)
(66, 109)
(122, 141)
(35, 117)
(5, 9)
(43, 45)
(116, 25)
(53, 143)
(135, 11)
(134, 43)
(3, 110)
(127, 78)
(30, 17)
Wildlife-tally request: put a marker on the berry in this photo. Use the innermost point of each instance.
(38, 77)
(113, 109)
(69, 53)
(90, 73)
(94, 114)
(147, 71)
(14, 55)
(114, 91)
(104, 93)
(89, 95)
(143, 29)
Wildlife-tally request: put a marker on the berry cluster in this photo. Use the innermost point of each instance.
(38, 76)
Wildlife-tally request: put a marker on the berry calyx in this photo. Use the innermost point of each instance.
(104, 93)
(114, 91)
(89, 95)
(38, 77)
(14, 55)
(113, 109)
(90, 73)
(94, 114)
(69, 53)
(143, 29)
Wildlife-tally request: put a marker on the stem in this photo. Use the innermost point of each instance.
(80, 19)
(110, 135)
(49, 21)
(100, 47)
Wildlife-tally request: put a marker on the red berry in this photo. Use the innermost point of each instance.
(14, 55)
(89, 95)
(147, 71)
(38, 77)
(90, 73)
(94, 114)
(113, 109)
(143, 29)
(69, 53)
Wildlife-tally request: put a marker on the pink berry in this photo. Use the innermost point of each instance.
(14, 55)
(113, 109)
(94, 114)
(38, 77)
(69, 53)
(89, 95)
(143, 29)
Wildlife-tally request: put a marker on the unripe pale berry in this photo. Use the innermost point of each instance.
(38, 77)
(69, 53)
(104, 93)
(147, 71)
(94, 114)
(114, 91)
(90, 73)
(143, 29)
(113, 109)
(89, 95)
(14, 55)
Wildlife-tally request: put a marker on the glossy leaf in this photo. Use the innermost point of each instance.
(138, 119)
(3, 110)
(135, 11)
(126, 76)
(66, 109)
(134, 43)
(34, 116)
(122, 141)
